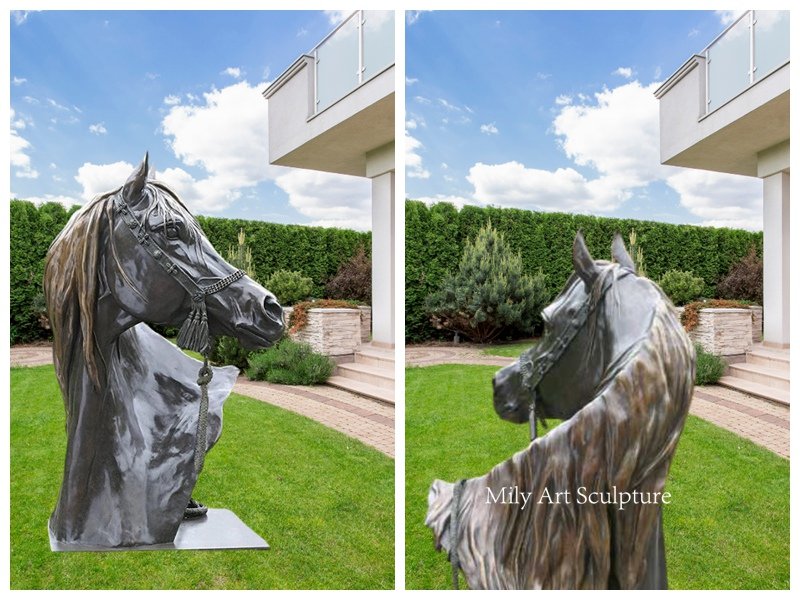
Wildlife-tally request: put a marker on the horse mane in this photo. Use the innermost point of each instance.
(625, 437)
(71, 274)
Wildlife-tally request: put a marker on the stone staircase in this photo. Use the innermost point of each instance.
(764, 373)
(371, 374)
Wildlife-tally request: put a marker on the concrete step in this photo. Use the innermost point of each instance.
(371, 374)
(362, 388)
(755, 389)
(774, 359)
(375, 356)
(776, 378)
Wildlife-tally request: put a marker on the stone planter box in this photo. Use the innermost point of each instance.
(758, 323)
(330, 331)
(724, 331)
(366, 323)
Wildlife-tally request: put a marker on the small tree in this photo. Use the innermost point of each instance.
(745, 280)
(489, 293)
(681, 286)
(289, 287)
(353, 280)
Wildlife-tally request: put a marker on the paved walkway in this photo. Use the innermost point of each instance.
(367, 420)
(760, 421)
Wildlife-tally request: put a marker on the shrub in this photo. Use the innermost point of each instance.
(709, 367)
(290, 363)
(691, 312)
(489, 294)
(681, 286)
(289, 287)
(745, 280)
(435, 236)
(353, 280)
(228, 351)
(299, 316)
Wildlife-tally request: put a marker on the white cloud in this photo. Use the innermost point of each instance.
(151, 76)
(449, 106)
(726, 17)
(489, 129)
(234, 72)
(414, 168)
(337, 16)
(20, 147)
(543, 76)
(444, 165)
(412, 16)
(616, 136)
(99, 179)
(411, 80)
(56, 105)
(98, 129)
(422, 100)
(172, 100)
(458, 201)
(514, 184)
(328, 199)
(302, 32)
(721, 200)
(563, 100)
(65, 201)
(30, 100)
(226, 136)
(625, 72)
(20, 16)
(411, 124)
(18, 80)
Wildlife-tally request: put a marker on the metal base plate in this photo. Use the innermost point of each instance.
(220, 529)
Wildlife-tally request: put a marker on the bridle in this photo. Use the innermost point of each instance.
(534, 369)
(194, 334)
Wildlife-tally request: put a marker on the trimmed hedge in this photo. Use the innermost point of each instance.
(32, 230)
(317, 252)
(435, 237)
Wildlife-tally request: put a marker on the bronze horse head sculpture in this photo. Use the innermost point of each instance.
(617, 367)
(136, 429)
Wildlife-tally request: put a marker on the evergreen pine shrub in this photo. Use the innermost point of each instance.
(289, 287)
(489, 293)
(681, 286)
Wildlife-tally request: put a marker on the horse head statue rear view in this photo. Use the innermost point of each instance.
(135, 435)
(617, 367)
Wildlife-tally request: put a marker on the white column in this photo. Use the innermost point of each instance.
(383, 259)
(776, 260)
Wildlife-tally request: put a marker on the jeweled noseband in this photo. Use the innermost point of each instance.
(194, 334)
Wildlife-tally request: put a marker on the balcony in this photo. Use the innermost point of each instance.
(334, 105)
(750, 49)
(730, 103)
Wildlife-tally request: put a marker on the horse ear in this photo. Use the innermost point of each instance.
(132, 190)
(583, 262)
(620, 254)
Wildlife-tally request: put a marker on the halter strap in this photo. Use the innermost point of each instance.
(194, 333)
(534, 370)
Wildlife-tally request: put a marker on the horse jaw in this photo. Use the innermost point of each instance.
(440, 497)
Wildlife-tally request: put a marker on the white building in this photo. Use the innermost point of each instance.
(333, 110)
(727, 110)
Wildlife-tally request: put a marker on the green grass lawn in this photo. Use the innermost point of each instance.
(512, 350)
(323, 501)
(727, 525)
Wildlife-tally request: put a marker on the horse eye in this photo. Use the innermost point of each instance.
(172, 231)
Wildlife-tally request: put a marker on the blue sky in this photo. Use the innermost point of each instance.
(92, 91)
(555, 111)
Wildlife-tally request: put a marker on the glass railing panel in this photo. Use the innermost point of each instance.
(771, 42)
(729, 64)
(337, 64)
(378, 41)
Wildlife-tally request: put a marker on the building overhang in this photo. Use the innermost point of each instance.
(336, 139)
